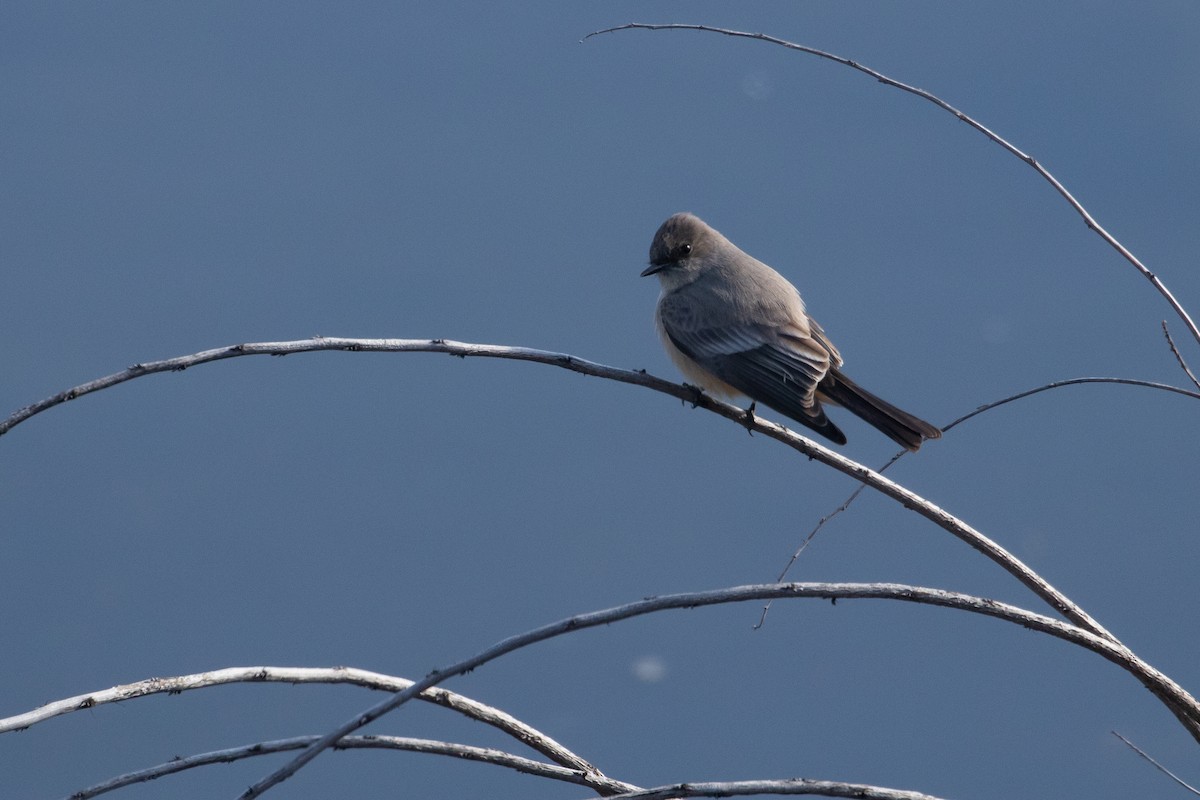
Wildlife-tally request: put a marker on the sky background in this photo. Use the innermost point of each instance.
(178, 177)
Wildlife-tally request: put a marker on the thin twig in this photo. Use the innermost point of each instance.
(1177, 699)
(1161, 768)
(801, 786)
(821, 522)
(1072, 382)
(485, 755)
(762, 618)
(942, 104)
(1183, 364)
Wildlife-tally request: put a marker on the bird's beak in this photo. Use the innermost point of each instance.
(653, 268)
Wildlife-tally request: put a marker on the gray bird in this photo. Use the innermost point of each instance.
(734, 326)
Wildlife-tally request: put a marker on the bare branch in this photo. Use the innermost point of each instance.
(793, 786)
(1177, 699)
(942, 104)
(788, 786)
(321, 343)
(1160, 767)
(1071, 382)
(1182, 364)
(986, 407)
(697, 398)
(473, 709)
(484, 755)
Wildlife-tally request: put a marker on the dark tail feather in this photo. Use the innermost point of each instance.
(902, 427)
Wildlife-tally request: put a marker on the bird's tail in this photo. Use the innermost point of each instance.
(902, 427)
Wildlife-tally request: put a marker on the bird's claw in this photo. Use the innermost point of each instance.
(750, 419)
(697, 395)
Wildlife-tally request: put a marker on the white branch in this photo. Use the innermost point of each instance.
(793, 786)
(948, 522)
(484, 755)
(526, 734)
(861, 791)
(1185, 712)
(1182, 704)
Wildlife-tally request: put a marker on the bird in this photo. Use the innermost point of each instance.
(736, 327)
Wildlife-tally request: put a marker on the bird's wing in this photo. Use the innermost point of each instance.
(817, 334)
(777, 366)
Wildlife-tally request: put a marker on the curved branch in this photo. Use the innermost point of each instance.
(787, 786)
(1182, 704)
(697, 398)
(481, 712)
(689, 394)
(321, 343)
(501, 759)
(942, 104)
(1166, 387)
(484, 755)
(985, 407)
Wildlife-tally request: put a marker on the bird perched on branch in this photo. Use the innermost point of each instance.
(734, 326)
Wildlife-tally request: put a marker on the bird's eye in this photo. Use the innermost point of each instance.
(683, 250)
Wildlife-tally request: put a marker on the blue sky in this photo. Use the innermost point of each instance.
(185, 176)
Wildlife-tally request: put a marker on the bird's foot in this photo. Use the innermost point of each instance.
(697, 395)
(749, 419)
